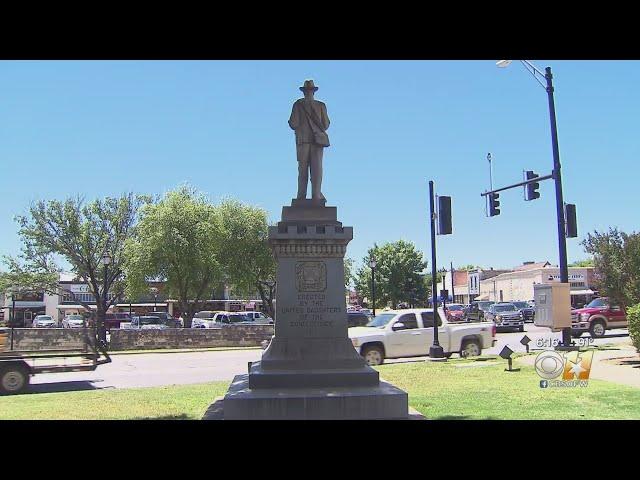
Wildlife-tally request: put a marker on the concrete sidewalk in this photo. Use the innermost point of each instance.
(619, 366)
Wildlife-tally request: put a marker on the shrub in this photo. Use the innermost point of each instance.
(633, 315)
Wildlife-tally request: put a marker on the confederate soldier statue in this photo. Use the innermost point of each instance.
(310, 121)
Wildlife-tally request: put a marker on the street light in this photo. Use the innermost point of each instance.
(557, 175)
(154, 292)
(372, 264)
(106, 261)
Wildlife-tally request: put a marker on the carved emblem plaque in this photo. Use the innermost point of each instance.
(311, 276)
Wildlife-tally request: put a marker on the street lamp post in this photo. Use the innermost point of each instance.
(436, 350)
(101, 330)
(372, 264)
(557, 175)
(453, 292)
(154, 291)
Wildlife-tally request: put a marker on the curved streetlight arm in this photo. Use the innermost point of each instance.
(532, 69)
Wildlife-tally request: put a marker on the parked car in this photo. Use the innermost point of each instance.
(357, 319)
(227, 318)
(528, 313)
(148, 322)
(113, 320)
(73, 321)
(476, 311)
(203, 319)
(169, 321)
(258, 318)
(505, 316)
(396, 334)
(455, 312)
(597, 317)
(44, 321)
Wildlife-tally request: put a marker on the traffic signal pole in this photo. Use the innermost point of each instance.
(436, 350)
(557, 176)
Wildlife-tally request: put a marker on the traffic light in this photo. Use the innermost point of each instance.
(494, 204)
(444, 216)
(570, 217)
(532, 188)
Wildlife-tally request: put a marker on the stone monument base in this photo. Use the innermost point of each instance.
(381, 402)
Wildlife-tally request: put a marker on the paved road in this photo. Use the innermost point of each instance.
(152, 369)
(156, 369)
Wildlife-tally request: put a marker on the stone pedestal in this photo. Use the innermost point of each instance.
(310, 369)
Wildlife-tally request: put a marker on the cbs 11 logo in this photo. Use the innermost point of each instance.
(572, 365)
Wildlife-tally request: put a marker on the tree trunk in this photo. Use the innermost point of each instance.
(187, 313)
(267, 300)
(101, 314)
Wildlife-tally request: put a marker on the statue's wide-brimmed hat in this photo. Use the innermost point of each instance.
(308, 85)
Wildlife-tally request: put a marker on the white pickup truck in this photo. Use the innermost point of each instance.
(409, 333)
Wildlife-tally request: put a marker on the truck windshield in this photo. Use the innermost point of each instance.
(505, 308)
(597, 302)
(381, 320)
(521, 304)
(150, 321)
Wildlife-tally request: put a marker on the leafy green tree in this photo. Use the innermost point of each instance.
(81, 233)
(583, 263)
(245, 253)
(616, 257)
(179, 240)
(429, 286)
(24, 275)
(468, 267)
(348, 273)
(398, 274)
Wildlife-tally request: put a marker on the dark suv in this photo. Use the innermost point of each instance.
(528, 313)
(167, 319)
(113, 320)
(475, 312)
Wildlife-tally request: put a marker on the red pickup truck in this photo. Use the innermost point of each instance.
(597, 317)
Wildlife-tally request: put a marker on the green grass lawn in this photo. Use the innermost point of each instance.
(177, 402)
(447, 391)
(458, 389)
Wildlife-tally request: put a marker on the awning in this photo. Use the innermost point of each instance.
(21, 304)
(119, 305)
(159, 304)
(74, 307)
(482, 297)
(582, 292)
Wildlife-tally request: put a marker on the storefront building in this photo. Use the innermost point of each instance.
(518, 284)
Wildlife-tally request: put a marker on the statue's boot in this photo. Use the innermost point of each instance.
(318, 197)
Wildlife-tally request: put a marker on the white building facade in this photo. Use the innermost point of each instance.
(518, 284)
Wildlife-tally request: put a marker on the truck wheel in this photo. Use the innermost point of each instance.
(13, 379)
(470, 348)
(373, 355)
(597, 329)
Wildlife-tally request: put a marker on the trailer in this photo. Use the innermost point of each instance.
(17, 366)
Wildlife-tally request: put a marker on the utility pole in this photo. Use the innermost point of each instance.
(557, 176)
(436, 350)
(453, 277)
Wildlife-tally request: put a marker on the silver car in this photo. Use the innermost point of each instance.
(44, 321)
(73, 321)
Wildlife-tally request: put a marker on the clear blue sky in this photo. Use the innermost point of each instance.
(105, 127)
